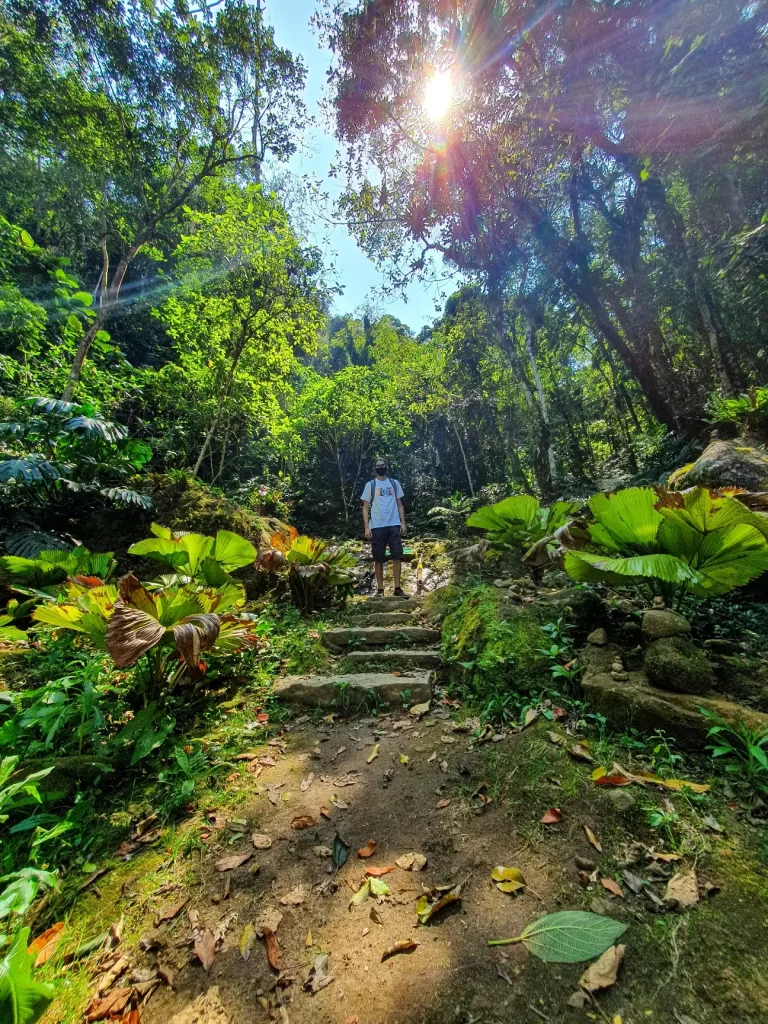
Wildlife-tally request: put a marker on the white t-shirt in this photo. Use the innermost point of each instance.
(384, 507)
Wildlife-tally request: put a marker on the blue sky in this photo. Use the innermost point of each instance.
(359, 276)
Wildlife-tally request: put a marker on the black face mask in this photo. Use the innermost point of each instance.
(381, 471)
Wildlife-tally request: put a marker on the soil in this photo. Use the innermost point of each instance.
(700, 966)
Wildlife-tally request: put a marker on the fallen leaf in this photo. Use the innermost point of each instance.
(378, 888)
(350, 779)
(338, 803)
(411, 861)
(378, 872)
(444, 767)
(666, 858)
(603, 972)
(634, 881)
(268, 919)
(230, 863)
(340, 851)
(303, 821)
(403, 946)
(578, 1000)
(508, 879)
(362, 894)
(683, 889)
(318, 976)
(404, 759)
(273, 949)
(557, 738)
(273, 793)
(426, 909)
(261, 841)
(432, 757)
(309, 942)
(530, 716)
(373, 754)
(246, 941)
(611, 886)
(112, 1004)
(376, 916)
(593, 839)
(44, 945)
(326, 812)
(168, 913)
(676, 785)
(580, 752)
(417, 710)
(612, 780)
(448, 739)
(294, 897)
(442, 803)
(368, 850)
(322, 851)
(552, 817)
(205, 948)
(307, 782)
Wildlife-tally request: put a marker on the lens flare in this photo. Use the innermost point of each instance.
(438, 95)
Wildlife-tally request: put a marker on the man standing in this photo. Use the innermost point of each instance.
(384, 522)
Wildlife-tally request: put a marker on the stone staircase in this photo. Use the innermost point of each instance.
(388, 651)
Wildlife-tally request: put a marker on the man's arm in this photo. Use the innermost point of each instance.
(366, 527)
(401, 511)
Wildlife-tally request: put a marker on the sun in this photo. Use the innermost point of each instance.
(438, 95)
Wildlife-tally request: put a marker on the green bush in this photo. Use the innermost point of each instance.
(521, 521)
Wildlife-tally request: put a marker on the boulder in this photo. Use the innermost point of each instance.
(725, 464)
(636, 704)
(660, 623)
(675, 663)
(581, 607)
(598, 637)
(621, 799)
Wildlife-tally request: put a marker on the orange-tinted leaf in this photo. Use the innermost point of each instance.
(552, 817)
(611, 886)
(44, 945)
(378, 872)
(368, 850)
(580, 752)
(205, 948)
(403, 946)
(112, 1004)
(303, 821)
(273, 949)
(613, 780)
(441, 804)
(676, 785)
(593, 839)
(230, 863)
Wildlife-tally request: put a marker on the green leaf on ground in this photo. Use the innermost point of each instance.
(568, 937)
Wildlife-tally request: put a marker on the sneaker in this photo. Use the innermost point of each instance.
(380, 593)
(399, 592)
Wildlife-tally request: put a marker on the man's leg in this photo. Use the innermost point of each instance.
(396, 572)
(379, 567)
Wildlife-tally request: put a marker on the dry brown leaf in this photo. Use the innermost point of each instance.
(682, 889)
(442, 803)
(268, 918)
(593, 839)
(44, 945)
(303, 821)
(273, 950)
(376, 916)
(403, 946)
(611, 886)
(261, 841)
(411, 861)
(230, 863)
(603, 972)
(322, 851)
(368, 850)
(557, 738)
(318, 977)
(373, 754)
(205, 948)
(111, 1005)
(552, 816)
(378, 872)
(294, 897)
(666, 858)
(326, 812)
(168, 913)
(350, 779)
(273, 793)
(307, 782)
(580, 752)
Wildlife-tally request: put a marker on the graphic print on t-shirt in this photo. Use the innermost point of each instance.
(383, 502)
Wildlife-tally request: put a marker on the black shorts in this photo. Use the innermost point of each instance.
(381, 536)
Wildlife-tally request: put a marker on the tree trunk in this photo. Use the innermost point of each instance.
(545, 430)
(463, 455)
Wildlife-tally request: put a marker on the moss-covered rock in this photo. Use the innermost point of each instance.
(725, 464)
(580, 606)
(491, 644)
(675, 663)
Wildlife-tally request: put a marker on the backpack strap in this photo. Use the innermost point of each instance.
(373, 495)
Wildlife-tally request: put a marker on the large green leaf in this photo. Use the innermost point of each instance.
(519, 509)
(64, 616)
(198, 547)
(626, 521)
(588, 567)
(233, 551)
(160, 549)
(22, 999)
(571, 936)
(730, 558)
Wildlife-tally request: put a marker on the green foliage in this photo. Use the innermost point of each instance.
(452, 515)
(52, 567)
(698, 542)
(568, 937)
(748, 410)
(317, 574)
(22, 999)
(520, 521)
(744, 750)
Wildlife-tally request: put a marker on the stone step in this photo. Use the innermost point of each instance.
(355, 691)
(412, 659)
(387, 619)
(384, 604)
(378, 636)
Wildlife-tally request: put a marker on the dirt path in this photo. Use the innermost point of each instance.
(465, 806)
